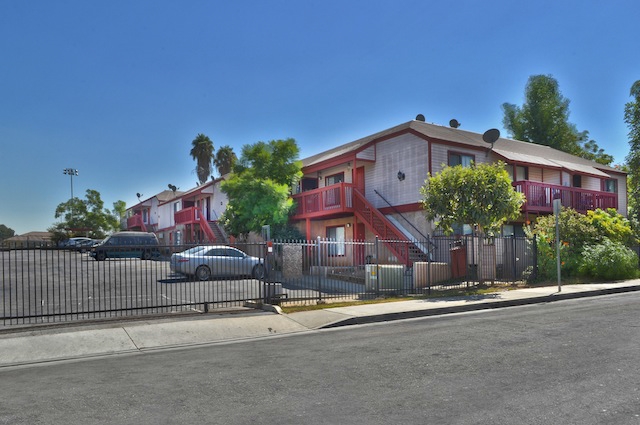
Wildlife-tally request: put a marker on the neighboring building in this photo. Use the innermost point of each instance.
(181, 217)
(371, 187)
(29, 240)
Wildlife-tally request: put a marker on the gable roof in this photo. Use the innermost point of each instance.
(509, 149)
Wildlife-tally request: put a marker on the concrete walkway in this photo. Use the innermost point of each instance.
(26, 346)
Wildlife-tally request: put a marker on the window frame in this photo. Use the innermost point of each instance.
(337, 247)
(605, 185)
(340, 178)
(461, 155)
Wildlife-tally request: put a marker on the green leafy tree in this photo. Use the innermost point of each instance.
(80, 217)
(544, 119)
(632, 119)
(119, 210)
(202, 152)
(225, 159)
(481, 196)
(259, 187)
(6, 232)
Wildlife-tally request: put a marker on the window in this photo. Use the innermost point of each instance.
(522, 173)
(611, 185)
(462, 229)
(577, 180)
(335, 235)
(334, 179)
(460, 159)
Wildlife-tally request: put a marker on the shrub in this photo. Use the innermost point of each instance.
(609, 260)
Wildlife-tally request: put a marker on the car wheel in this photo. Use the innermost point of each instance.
(146, 255)
(101, 256)
(258, 271)
(203, 273)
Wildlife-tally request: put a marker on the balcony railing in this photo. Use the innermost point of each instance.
(540, 197)
(325, 201)
(188, 215)
(136, 221)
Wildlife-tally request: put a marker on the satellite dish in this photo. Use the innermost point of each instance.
(139, 195)
(420, 117)
(490, 136)
(454, 123)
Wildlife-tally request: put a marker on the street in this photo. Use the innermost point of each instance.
(568, 362)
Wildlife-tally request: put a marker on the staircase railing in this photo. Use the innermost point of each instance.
(401, 215)
(204, 225)
(390, 235)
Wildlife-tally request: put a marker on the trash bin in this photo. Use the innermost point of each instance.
(458, 261)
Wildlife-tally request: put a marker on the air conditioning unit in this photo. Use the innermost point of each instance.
(384, 277)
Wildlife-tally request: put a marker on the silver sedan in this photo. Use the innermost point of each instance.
(203, 262)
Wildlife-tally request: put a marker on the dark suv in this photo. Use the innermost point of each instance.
(127, 245)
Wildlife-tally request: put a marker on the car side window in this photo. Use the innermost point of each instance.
(216, 252)
(234, 253)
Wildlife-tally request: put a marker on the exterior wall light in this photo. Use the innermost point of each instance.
(400, 175)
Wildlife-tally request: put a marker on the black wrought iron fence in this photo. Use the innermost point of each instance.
(49, 284)
(324, 269)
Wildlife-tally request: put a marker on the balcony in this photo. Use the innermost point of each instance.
(189, 215)
(540, 197)
(323, 202)
(136, 222)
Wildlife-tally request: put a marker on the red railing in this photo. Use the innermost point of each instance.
(406, 251)
(188, 215)
(540, 196)
(136, 221)
(337, 198)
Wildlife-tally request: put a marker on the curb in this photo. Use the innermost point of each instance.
(476, 307)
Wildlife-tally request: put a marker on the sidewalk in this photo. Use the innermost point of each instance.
(29, 346)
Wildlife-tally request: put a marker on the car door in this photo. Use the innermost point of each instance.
(235, 263)
(217, 261)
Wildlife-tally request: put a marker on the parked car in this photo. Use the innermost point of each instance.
(203, 262)
(127, 245)
(78, 244)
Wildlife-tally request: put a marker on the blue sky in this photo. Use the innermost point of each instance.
(119, 89)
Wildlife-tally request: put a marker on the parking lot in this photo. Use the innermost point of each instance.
(54, 284)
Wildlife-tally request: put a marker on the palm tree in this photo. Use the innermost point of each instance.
(202, 153)
(225, 159)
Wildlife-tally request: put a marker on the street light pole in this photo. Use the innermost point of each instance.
(71, 172)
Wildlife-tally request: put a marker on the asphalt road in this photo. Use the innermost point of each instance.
(568, 362)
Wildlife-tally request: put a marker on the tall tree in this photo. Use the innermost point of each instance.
(86, 217)
(632, 119)
(225, 159)
(202, 152)
(259, 187)
(544, 119)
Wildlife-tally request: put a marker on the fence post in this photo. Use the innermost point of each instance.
(514, 259)
(428, 266)
(377, 269)
(319, 259)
